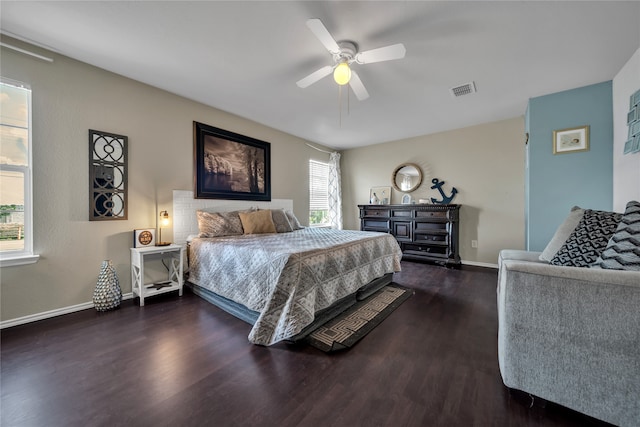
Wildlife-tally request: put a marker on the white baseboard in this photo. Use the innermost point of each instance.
(53, 313)
(87, 305)
(480, 264)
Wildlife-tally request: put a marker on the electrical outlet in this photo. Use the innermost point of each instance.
(474, 244)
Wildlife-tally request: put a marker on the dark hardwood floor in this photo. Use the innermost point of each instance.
(183, 362)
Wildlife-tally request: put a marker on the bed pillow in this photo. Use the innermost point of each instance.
(562, 233)
(258, 222)
(588, 240)
(623, 249)
(218, 224)
(295, 224)
(281, 221)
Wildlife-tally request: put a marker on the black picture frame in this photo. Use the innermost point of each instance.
(230, 166)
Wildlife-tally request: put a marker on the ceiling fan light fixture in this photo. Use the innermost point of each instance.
(345, 53)
(342, 73)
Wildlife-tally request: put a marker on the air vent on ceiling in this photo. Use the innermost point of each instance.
(464, 89)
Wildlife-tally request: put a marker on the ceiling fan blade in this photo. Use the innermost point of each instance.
(315, 76)
(358, 87)
(387, 53)
(321, 32)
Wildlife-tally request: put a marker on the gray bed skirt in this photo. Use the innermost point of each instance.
(323, 316)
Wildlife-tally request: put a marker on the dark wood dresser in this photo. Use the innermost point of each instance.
(425, 232)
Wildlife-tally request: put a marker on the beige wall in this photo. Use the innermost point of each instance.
(483, 162)
(486, 165)
(69, 98)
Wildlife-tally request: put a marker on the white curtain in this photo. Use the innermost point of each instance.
(335, 191)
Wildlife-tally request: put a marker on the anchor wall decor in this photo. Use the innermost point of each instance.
(437, 185)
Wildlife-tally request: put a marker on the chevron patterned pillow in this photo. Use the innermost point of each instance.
(623, 250)
(588, 240)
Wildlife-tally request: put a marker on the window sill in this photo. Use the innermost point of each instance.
(12, 261)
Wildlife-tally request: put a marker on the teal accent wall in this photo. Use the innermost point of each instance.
(555, 183)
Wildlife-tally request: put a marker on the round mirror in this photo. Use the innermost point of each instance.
(407, 177)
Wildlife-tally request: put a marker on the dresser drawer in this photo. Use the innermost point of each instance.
(438, 238)
(431, 214)
(380, 213)
(432, 250)
(380, 224)
(402, 214)
(430, 227)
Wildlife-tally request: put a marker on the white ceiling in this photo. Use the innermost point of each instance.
(245, 57)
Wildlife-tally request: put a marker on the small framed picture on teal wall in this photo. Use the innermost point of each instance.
(571, 140)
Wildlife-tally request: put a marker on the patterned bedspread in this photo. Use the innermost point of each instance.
(288, 277)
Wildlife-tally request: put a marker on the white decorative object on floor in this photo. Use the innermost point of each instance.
(107, 294)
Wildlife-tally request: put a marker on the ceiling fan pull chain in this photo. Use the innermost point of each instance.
(340, 105)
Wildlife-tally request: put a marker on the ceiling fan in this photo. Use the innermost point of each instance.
(345, 54)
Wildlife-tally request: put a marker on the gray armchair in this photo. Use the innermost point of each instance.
(571, 335)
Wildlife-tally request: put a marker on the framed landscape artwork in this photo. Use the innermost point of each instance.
(230, 166)
(571, 140)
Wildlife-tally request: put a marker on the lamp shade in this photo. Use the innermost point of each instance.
(164, 219)
(342, 73)
(164, 222)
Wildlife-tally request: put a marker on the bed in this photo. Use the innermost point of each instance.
(285, 284)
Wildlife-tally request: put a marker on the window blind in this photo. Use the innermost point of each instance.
(318, 186)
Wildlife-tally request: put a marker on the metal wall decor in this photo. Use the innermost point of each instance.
(632, 145)
(107, 176)
(437, 185)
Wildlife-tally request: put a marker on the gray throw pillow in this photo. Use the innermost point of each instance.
(562, 234)
(588, 240)
(295, 224)
(623, 249)
(218, 224)
(281, 221)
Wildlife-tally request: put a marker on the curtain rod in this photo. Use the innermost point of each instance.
(26, 52)
(319, 149)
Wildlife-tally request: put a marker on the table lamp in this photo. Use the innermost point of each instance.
(164, 222)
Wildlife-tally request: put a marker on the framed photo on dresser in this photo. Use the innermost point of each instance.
(380, 195)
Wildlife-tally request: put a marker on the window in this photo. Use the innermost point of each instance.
(318, 193)
(16, 230)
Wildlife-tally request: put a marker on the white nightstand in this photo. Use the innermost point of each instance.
(172, 253)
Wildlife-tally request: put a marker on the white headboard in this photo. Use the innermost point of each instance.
(185, 222)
